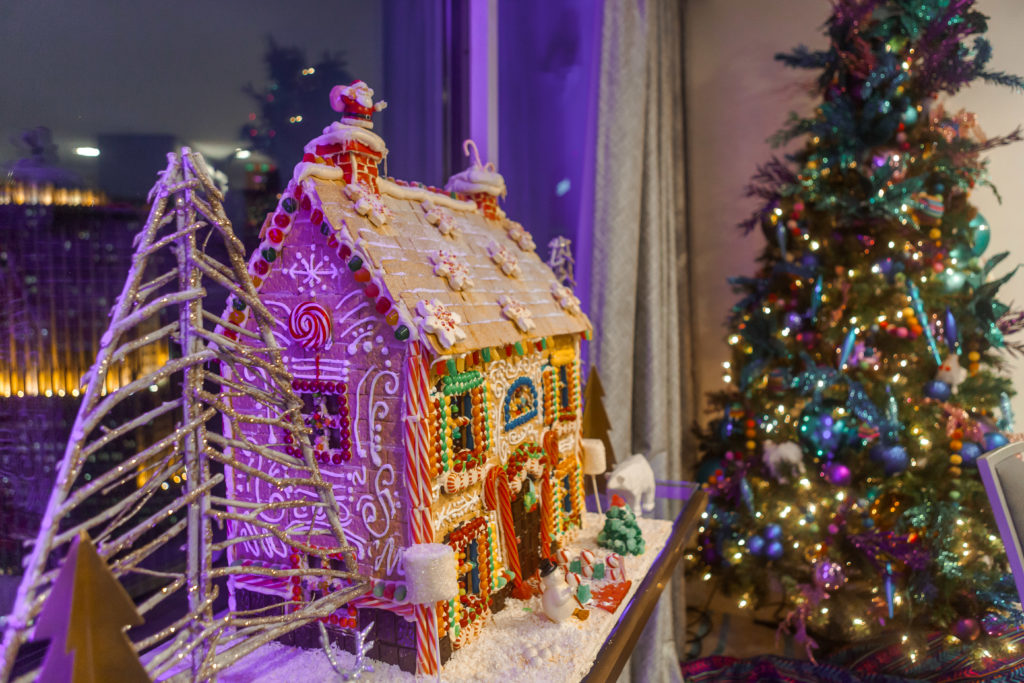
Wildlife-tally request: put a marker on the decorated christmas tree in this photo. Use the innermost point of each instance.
(863, 383)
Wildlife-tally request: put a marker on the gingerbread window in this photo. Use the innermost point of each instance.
(521, 404)
(465, 435)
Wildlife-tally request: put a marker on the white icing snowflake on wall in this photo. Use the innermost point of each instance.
(517, 313)
(519, 235)
(448, 264)
(505, 259)
(439, 218)
(311, 272)
(566, 299)
(368, 204)
(434, 317)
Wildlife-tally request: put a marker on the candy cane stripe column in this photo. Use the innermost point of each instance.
(417, 407)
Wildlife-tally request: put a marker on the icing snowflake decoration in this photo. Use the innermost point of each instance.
(439, 218)
(504, 258)
(517, 313)
(448, 264)
(436, 318)
(566, 299)
(517, 233)
(368, 204)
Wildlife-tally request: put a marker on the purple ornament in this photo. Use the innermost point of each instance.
(967, 629)
(794, 320)
(755, 545)
(828, 574)
(937, 389)
(772, 532)
(892, 457)
(838, 474)
(774, 550)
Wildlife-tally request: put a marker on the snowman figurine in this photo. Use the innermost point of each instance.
(557, 601)
(951, 373)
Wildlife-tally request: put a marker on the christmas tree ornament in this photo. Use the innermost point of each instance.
(823, 431)
(890, 589)
(951, 332)
(981, 235)
(774, 550)
(892, 457)
(967, 629)
(994, 440)
(937, 389)
(828, 574)
(970, 452)
(783, 460)
(838, 474)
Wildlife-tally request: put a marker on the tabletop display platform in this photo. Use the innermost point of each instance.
(523, 644)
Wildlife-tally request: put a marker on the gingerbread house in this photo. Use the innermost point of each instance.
(437, 358)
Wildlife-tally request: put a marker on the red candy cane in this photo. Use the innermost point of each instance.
(417, 413)
(426, 640)
(547, 507)
(498, 496)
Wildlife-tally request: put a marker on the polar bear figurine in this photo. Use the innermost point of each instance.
(633, 480)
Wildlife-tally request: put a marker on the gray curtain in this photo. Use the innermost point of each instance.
(637, 263)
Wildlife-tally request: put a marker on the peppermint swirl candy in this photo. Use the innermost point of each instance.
(310, 325)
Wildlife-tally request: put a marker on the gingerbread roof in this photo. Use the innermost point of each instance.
(431, 248)
(447, 267)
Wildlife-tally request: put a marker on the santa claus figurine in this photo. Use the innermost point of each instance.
(355, 103)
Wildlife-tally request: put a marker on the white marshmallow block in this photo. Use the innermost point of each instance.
(430, 573)
(594, 459)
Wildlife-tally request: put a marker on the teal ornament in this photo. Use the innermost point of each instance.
(889, 588)
(961, 254)
(980, 233)
(1006, 421)
(952, 280)
(815, 299)
(909, 116)
(822, 432)
(844, 356)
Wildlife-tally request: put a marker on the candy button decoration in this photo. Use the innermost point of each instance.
(310, 325)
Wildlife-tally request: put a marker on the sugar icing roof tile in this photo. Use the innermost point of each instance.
(401, 249)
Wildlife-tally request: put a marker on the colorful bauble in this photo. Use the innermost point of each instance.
(822, 431)
(756, 545)
(838, 474)
(774, 550)
(970, 452)
(937, 389)
(893, 457)
(310, 325)
(772, 532)
(967, 629)
(980, 233)
(828, 574)
(994, 440)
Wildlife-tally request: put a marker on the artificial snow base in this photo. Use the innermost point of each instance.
(521, 645)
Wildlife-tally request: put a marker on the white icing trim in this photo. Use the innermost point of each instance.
(419, 194)
(477, 179)
(342, 132)
(309, 169)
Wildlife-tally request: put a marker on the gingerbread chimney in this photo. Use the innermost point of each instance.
(350, 144)
(480, 184)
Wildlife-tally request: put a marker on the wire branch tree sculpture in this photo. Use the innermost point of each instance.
(126, 506)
